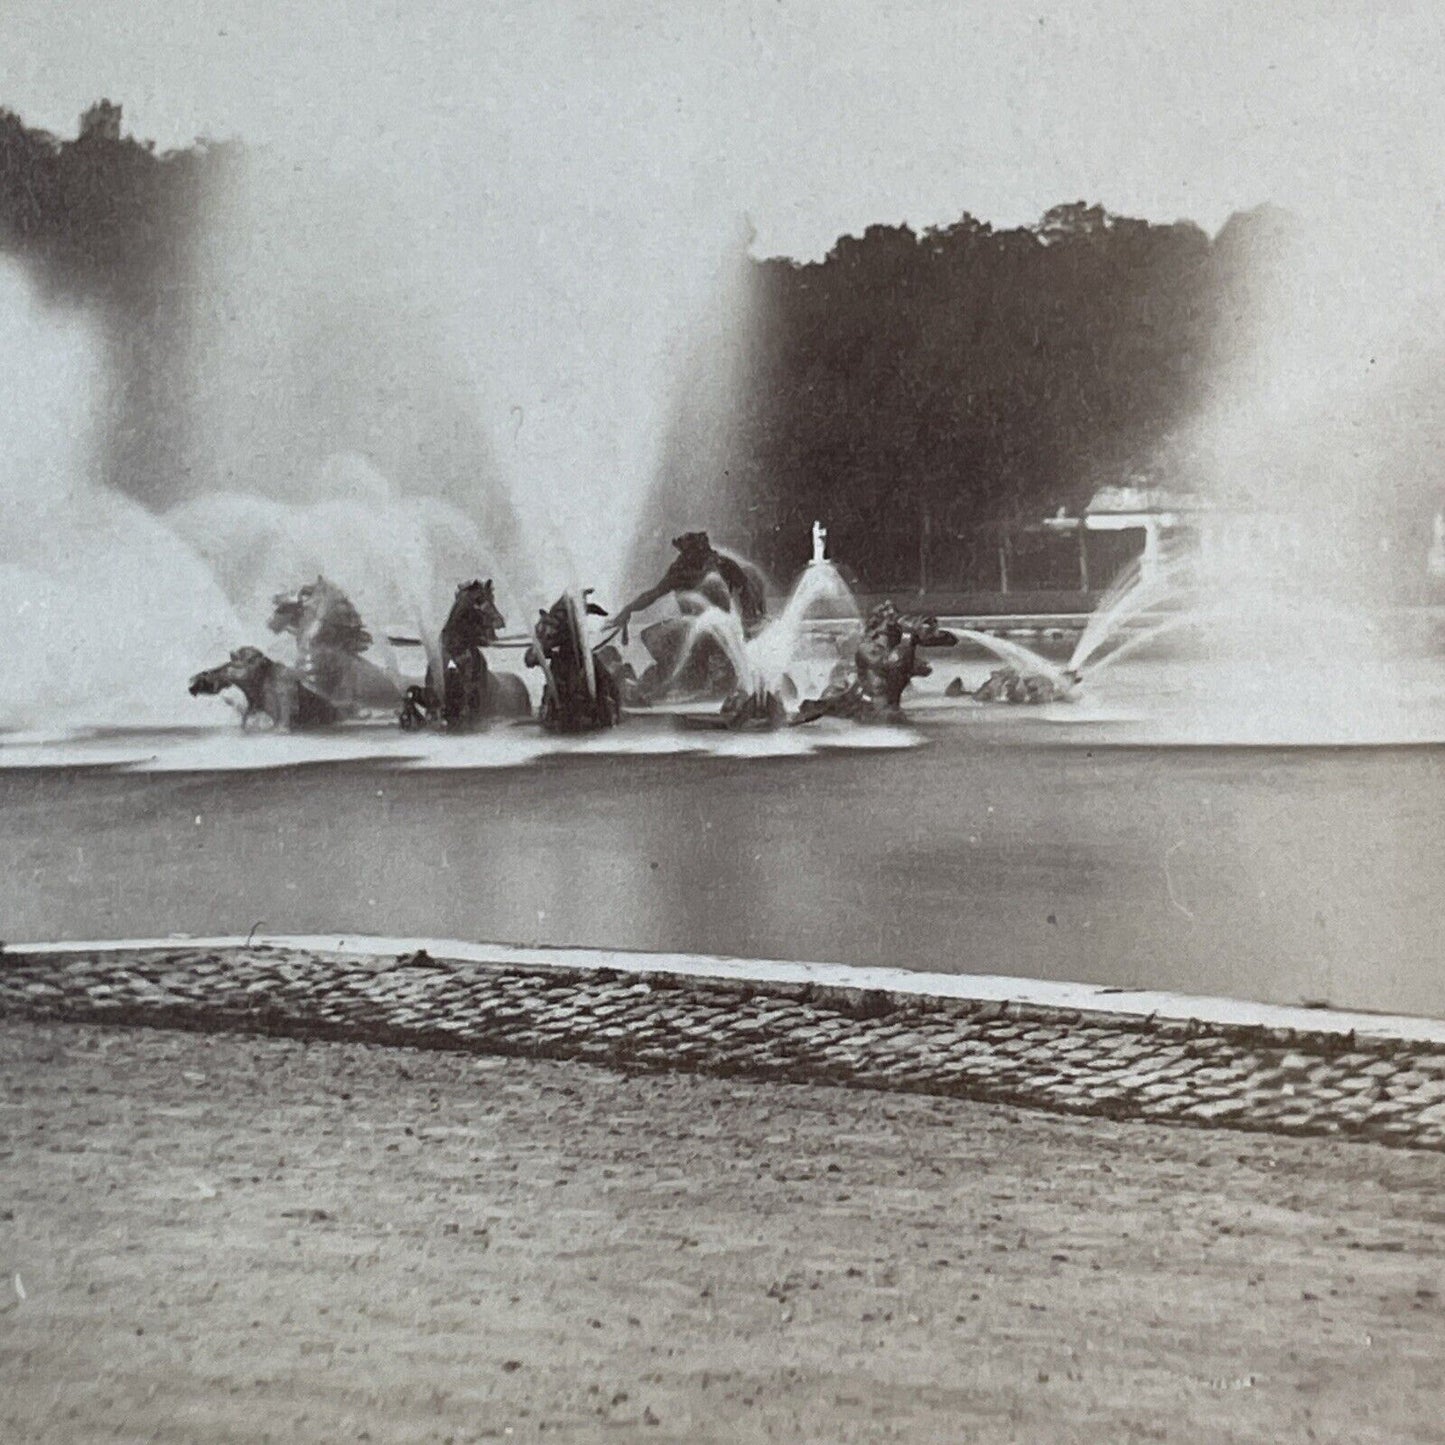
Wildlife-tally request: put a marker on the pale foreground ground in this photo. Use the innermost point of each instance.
(213, 1238)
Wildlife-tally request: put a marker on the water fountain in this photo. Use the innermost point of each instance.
(306, 480)
(96, 594)
(792, 653)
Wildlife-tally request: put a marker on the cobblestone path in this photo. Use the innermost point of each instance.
(1392, 1092)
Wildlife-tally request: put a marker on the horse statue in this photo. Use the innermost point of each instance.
(884, 664)
(1011, 685)
(579, 692)
(330, 639)
(461, 691)
(270, 688)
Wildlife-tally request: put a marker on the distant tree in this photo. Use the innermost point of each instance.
(964, 380)
(104, 220)
(101, 122)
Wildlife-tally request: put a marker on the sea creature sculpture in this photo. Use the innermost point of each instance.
(1013, 685)
(885, 662)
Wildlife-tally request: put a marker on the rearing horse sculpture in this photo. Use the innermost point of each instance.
(467, 694)
(330, 639)
(580, 693)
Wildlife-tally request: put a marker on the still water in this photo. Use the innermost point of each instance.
(965, 843)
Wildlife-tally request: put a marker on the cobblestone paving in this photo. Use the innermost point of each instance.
(1183, 1073)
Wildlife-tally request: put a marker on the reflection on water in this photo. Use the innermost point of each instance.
(982, 839)
(1280, 874)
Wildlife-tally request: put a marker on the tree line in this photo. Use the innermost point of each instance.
(933, 395)
(102, 218)
(927, 394)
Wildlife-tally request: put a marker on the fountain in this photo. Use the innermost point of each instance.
(98, 596)
(792, 653)
(288, 470)
(799, 649)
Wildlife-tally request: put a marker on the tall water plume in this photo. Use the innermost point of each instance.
(330, 422)
(105, 610)
(515, 363)
(1318, 450)
(699, 477)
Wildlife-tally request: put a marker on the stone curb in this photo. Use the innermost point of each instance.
(1072, 1061)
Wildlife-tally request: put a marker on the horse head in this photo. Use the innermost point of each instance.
(556, 635)
(320, 612)
(245, 669)
(289, 611)
(475, 617)
(551, 634)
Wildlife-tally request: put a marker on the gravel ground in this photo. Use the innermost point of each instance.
(219, 1238)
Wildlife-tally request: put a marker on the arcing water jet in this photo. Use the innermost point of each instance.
(97, 597)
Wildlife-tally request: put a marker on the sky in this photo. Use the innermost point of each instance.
(574, 177)
(813, 118)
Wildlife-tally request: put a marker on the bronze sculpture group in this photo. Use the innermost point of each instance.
(586, 684)
(460, 689)
(885, 662)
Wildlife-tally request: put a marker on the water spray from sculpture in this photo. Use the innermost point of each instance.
(98, 598)
(766, 667)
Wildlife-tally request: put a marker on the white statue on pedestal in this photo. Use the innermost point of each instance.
(820, 540)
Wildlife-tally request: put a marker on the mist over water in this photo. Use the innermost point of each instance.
(1318, 446)
(331, 424)
(1324, 405)
(97, 597)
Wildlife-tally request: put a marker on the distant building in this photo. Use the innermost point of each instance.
(1161, 517)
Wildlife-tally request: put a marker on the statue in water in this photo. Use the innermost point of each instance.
(885, 662)
(580, 692)
(461, 691)
(270, 689)
(1012, 685)
(699, 575)
(330, 640)
(332, 680)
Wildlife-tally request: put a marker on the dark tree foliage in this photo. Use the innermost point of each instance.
(101, 218)
(928, 395)
(106, 222)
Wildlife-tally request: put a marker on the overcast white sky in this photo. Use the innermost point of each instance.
(814, 117)
(587, 161)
